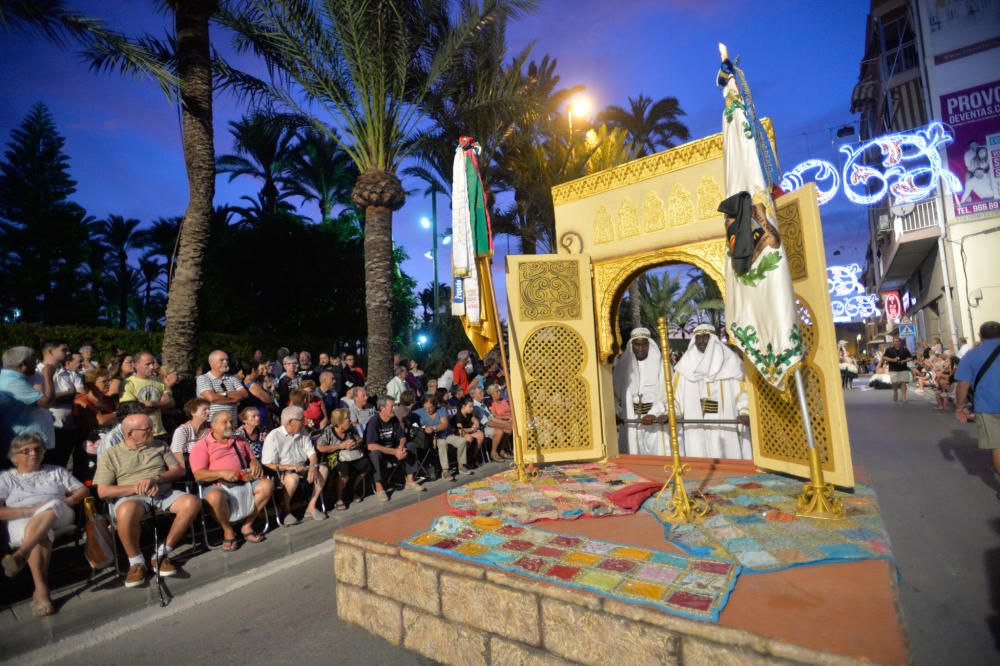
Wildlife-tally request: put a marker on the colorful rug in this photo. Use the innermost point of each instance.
(558, 492)
(753, 522)
(694, 587)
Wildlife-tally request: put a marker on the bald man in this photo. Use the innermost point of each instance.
(135, 478)
(223, 391)
(146, 388)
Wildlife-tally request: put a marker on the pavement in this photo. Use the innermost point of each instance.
(276, 600)
(91, 612)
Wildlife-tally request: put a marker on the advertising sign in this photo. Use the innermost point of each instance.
(892, 305)
(961, 28)
(974, 155)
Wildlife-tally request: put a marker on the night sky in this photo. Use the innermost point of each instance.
(801, 59)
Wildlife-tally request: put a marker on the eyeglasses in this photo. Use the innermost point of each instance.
(30, 449)
(138, 430)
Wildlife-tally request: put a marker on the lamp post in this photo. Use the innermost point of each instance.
(580, 106)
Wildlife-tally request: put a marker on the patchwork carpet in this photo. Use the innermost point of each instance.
(753, 522)
(689, 586)
(558, 492)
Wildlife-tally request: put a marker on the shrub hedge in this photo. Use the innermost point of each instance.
(106, 340)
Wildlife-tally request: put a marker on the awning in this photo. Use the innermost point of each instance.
(908, 106)
(863, 95)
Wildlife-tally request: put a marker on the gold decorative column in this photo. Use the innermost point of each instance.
(684, 509)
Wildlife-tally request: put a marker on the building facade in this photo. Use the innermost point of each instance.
(936, 61)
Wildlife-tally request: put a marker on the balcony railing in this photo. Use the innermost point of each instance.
(924, 216)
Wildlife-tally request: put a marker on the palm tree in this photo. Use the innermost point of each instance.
(119, 236)
(318, 170)
(263, 150)
(649, 125)
(151, 270)
(369, 66)
(666, 297)
(160, 241)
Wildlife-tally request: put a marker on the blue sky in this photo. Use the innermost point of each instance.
(801, 59)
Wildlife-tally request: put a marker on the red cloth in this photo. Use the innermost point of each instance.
(632, 497)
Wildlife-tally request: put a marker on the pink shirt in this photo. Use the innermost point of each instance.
(209, 453)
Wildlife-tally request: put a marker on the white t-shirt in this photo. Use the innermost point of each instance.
(33, 488)
(281, 448)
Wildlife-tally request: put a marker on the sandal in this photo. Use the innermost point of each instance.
(340, 506)
(230, 545)
(253, 536)
(12, 565)
(42, 607)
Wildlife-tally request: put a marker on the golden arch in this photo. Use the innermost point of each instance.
(612, 276)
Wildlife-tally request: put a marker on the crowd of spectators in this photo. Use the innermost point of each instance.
(251, 433)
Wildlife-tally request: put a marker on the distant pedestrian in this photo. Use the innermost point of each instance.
(898, 357)
(979, 391)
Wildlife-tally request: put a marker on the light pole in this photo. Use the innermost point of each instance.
(580, 106)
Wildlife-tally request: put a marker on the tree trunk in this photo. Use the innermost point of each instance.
(378, 297)
(635, 307)
(194, 63)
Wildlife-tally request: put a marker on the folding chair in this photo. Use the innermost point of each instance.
(279, 487)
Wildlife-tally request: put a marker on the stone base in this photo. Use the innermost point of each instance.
(458, 612)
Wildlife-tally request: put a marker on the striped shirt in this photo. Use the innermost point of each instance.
(209, 382)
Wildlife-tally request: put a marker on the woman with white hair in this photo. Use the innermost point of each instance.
(35, 501)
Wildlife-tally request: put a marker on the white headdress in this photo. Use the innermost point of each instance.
(717, 361)
(628, 366)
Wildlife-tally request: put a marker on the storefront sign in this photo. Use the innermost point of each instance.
(892, 304)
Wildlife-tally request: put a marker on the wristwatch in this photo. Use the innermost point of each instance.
(225, 393)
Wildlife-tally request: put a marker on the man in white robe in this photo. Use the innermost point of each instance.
(708, 385)
(640, 395)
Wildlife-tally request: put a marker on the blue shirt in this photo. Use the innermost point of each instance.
(987, 397)
(18, 413)
(432, 421)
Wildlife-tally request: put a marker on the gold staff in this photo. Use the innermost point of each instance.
(684, 509)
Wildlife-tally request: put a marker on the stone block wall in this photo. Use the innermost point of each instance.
(462, 614)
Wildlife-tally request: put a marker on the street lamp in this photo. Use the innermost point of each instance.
(579, 106)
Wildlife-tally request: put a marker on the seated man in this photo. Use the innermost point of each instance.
(385, 437)
(288, 451)
(359, 409)
(466, 427)
(138, 475)
(240, 490)
(434, 422)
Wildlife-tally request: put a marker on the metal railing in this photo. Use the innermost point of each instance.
(924, 216)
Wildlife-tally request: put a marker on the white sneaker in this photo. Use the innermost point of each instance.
(416, 487)
(382, 496)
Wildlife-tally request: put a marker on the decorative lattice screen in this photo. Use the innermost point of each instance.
(554, 358)
(782, 434)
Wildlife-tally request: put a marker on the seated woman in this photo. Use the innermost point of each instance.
(188, 433)
(35, 501)
(881, 378)
(501, 421)
(121, 367)
(258, 395)
(311, 404)
(94, 414)
(942, 380)
(345, 453)
(251, 430)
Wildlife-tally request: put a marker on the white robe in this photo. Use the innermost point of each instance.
(721, 441)
(716, 374)
(633, 379)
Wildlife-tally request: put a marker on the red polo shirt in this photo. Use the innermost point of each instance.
(211, 454)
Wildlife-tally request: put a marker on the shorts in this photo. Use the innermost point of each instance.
(989, 430)
(900, 377)
(240, 496)
(161, 502)
(65, 517)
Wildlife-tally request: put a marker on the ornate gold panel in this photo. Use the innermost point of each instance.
(781, 435)
(554, 357)
(611, 277)
(636, 171)
(604, 228)
(549, 290)
(680, 209)
(628, 220)
(790, 229)
(654, 216)
(709, 198)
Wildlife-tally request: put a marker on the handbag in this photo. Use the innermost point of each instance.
(99, 549)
